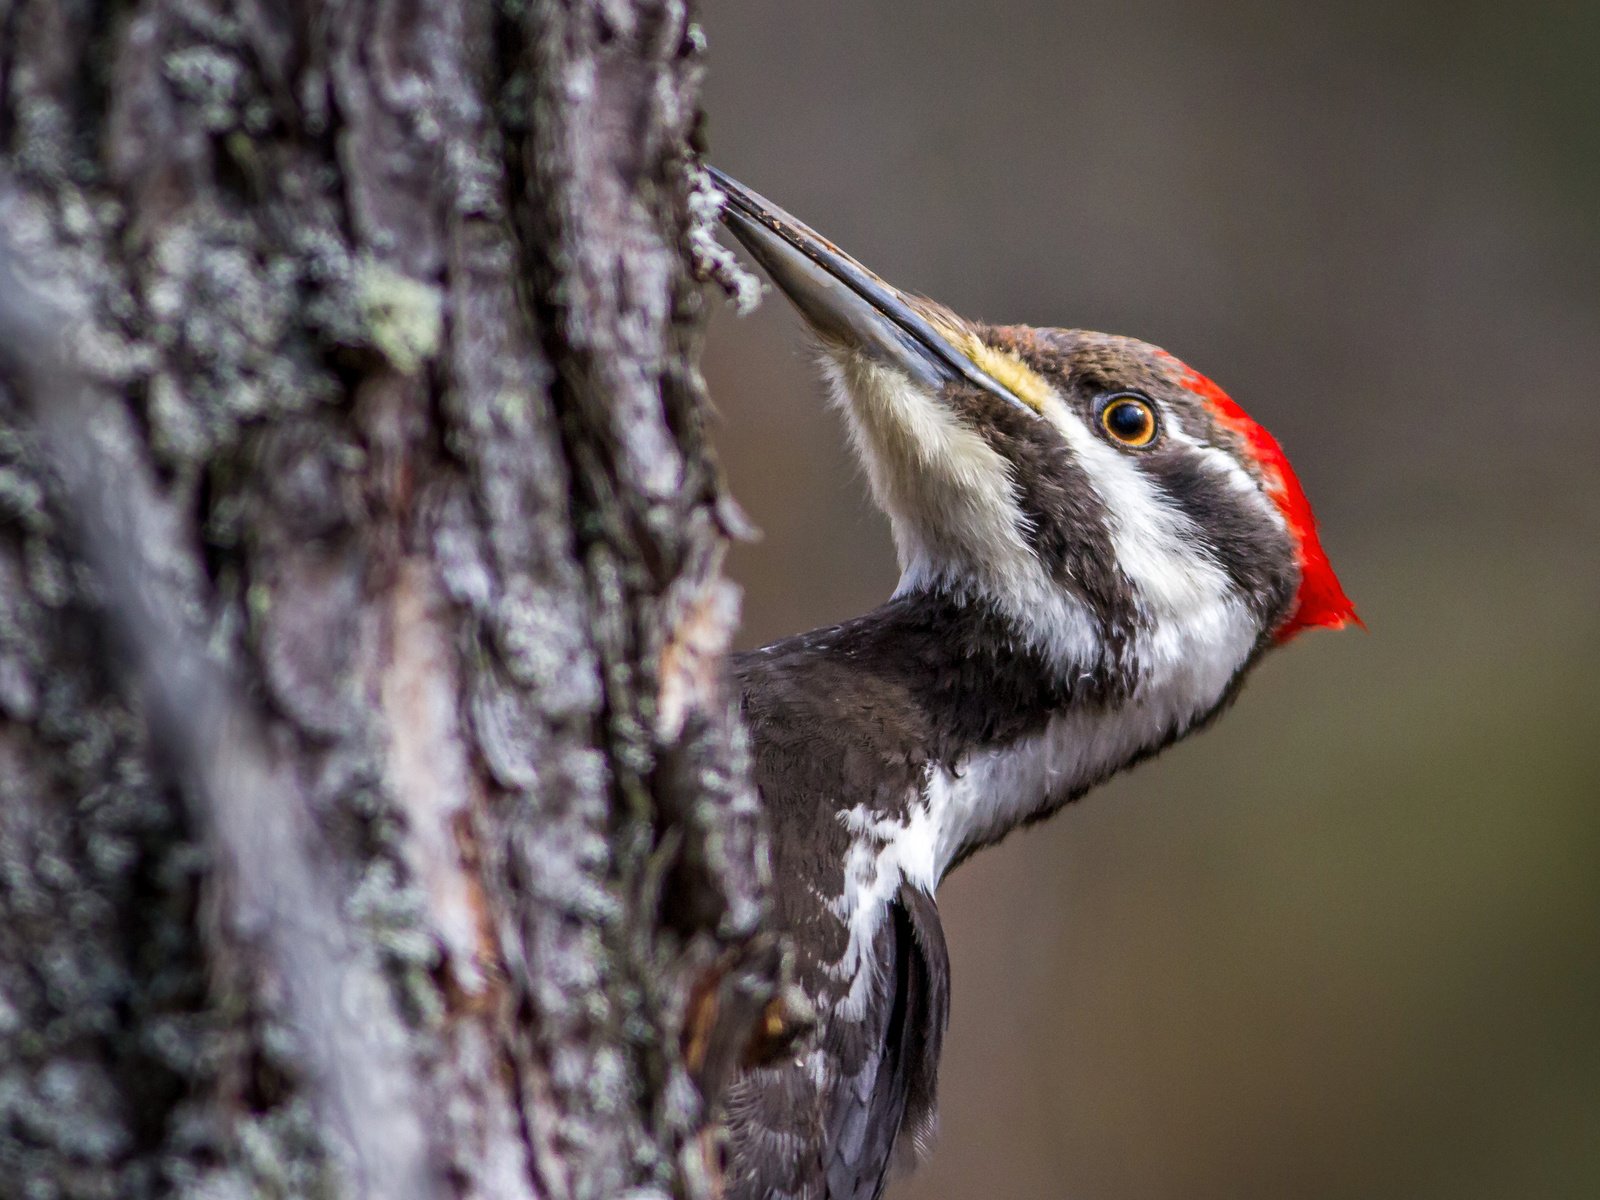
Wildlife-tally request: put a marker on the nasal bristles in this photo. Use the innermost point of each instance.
(1008, 370)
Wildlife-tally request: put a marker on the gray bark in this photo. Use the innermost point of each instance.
(374, 822)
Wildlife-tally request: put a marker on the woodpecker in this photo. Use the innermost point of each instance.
(1096, 545)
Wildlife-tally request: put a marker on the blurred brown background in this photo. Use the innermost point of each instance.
(1347, 944)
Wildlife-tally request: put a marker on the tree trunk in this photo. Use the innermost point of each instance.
(374, 822)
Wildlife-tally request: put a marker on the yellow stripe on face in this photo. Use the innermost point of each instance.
(1008, 370)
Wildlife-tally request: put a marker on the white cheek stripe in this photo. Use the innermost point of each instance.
(1224, 464)
(1157, 546)
(1193, 611)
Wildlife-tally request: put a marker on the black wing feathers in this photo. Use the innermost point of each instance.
(928, 1012)
(890, 1103)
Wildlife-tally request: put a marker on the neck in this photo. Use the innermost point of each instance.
(967, 731)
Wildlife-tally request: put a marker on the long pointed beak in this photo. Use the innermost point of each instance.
(844, 301)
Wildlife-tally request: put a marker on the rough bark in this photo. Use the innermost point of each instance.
(373, 821)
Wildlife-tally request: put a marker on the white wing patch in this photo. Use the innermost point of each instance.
(884, 852)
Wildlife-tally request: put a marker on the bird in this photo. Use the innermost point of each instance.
(1096, 544)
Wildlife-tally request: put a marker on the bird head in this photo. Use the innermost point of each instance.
(1113, 503)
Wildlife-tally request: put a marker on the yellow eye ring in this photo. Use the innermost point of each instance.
(1130, 421)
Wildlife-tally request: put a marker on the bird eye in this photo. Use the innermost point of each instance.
(1129, 421)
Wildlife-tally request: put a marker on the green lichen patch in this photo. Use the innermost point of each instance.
(403, 318)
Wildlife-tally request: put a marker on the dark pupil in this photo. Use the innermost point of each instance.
(1128, 421)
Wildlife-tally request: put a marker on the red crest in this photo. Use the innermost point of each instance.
(1321, 600)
